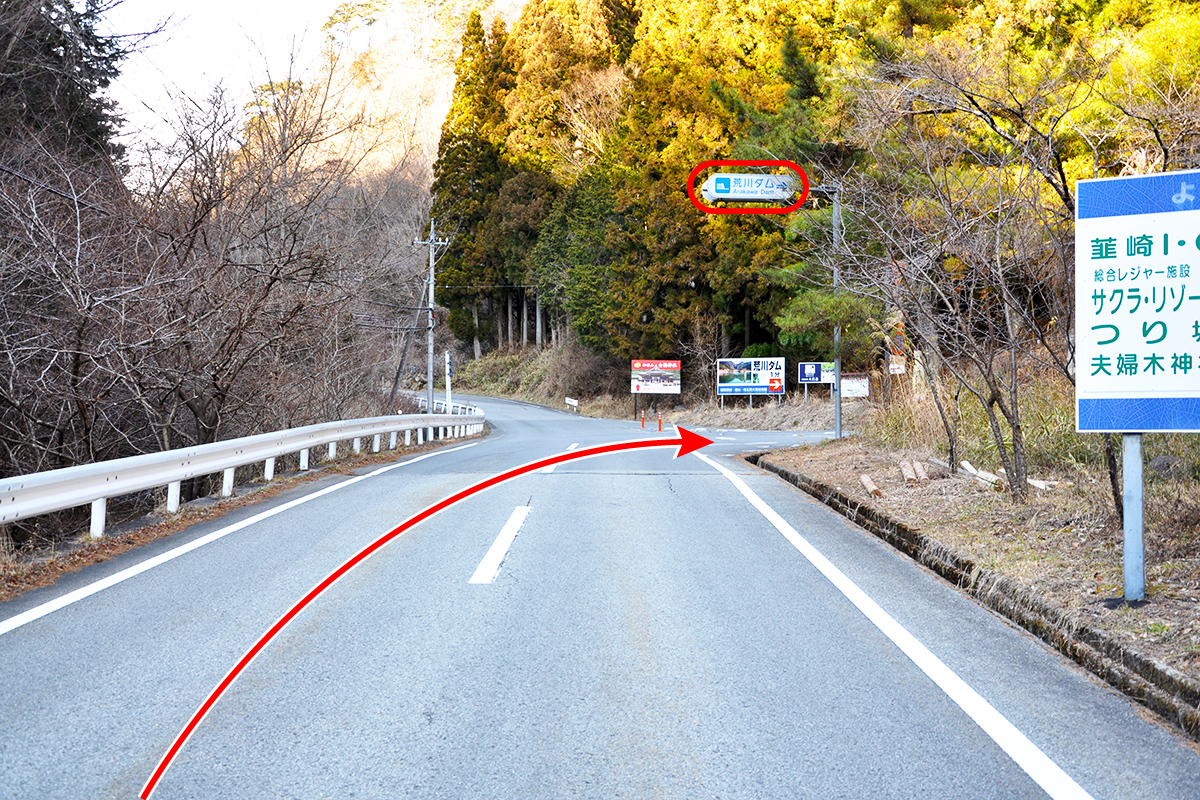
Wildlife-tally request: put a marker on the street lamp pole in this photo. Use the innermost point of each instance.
(835, 193)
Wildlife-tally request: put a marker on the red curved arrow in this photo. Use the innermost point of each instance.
(686, 442)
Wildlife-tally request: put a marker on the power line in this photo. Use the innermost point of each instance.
(52, 190)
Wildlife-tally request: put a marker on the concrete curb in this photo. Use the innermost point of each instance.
(1169, 693)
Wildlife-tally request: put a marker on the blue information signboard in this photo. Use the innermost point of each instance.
(815, 372)
(1137, 303)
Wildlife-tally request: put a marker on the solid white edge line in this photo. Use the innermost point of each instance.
(1048, 775)
(549, 469)
(489, 568)
(37, 612)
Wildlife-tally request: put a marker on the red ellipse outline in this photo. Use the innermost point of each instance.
(792, 165)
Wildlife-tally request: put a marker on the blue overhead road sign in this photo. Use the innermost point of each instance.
(749, 187)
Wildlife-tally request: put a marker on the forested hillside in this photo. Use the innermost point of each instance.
(564, 157)
(951, 133)
(246, 275)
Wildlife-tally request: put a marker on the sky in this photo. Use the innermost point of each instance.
(206, 42)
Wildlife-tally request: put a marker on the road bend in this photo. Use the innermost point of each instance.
(625, 626)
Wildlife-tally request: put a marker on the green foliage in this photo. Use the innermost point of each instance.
(574, 255)
(806, 327)
(468, 175)
(763, 350)
(351, 15)
(553, 177)
(54, 68)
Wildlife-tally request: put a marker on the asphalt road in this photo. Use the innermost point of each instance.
(654, 630)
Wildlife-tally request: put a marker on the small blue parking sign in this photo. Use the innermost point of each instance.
(815, 372)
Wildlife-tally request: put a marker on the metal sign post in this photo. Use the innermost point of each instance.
(835, 193)
(1136, 305)
(1135, 552)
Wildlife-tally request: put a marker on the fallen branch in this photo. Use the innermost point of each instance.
(1045, 486)
(983, 476)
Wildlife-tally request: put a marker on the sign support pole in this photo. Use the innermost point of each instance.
(1135, 563)
(837, 329)
(835, 193)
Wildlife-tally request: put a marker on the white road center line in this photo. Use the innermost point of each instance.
(549, 469)
(1056, 783)
(489, 568)
(67, 599)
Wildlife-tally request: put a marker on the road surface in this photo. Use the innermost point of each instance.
(646, 627)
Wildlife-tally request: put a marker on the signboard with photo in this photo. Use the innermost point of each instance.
(655, 377)
(750, 376)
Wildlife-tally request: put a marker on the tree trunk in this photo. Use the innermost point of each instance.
(499, 328)
(524, 319)
(509, 319)
(1114, 480)
(537, 312)
(475, 330)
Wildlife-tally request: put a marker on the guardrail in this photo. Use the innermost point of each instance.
(27, 496)
(455, 408)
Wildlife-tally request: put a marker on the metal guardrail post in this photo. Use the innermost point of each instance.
(98, 511)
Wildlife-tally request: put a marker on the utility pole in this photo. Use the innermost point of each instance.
(835, 192)
(433, 243)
